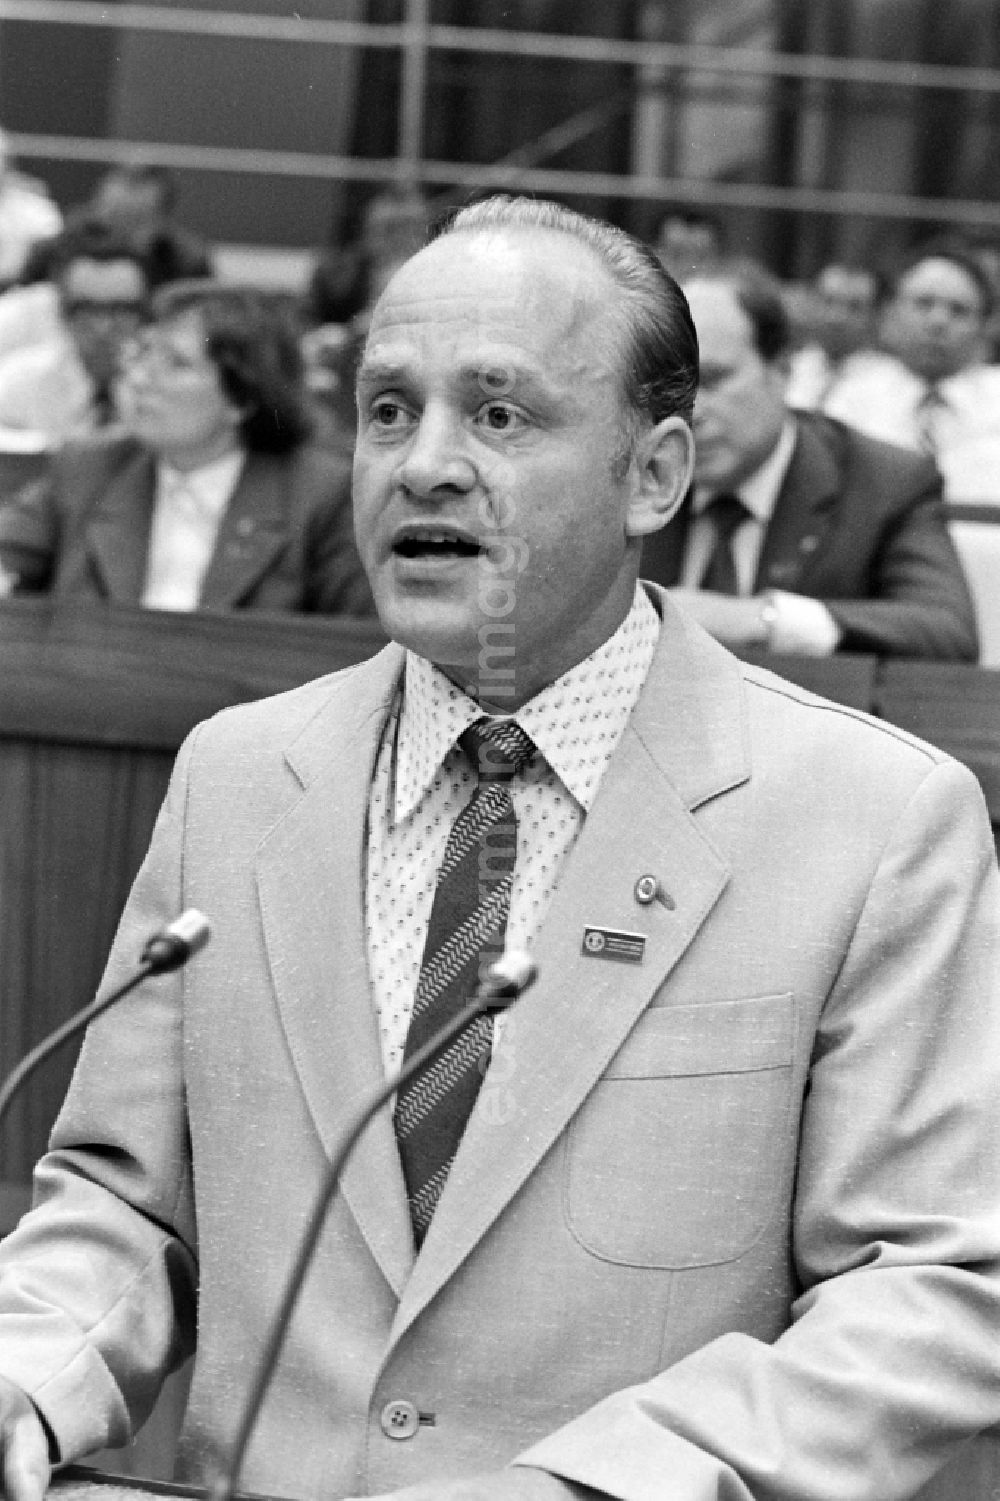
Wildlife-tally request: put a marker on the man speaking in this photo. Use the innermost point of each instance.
(712, 1212)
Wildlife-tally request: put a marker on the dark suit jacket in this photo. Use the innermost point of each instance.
(858, 524)
(286, 541)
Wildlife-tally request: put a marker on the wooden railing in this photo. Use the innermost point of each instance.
(93, 705)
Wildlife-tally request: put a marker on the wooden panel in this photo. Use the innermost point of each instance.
(93, 705)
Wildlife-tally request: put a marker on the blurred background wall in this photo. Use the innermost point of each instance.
(812, 127)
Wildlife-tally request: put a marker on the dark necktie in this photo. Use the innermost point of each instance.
(465, 934)
(928, 413)
(725, 513)
(103, 404)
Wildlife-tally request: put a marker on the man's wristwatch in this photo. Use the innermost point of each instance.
(768, 618)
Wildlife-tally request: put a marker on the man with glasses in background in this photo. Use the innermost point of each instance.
(60, 384)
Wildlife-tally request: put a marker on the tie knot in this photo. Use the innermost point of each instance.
(497, 748)
(726, 512)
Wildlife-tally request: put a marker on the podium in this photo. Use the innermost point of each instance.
(81, 1483)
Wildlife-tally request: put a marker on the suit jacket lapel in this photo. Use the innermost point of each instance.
(253, 530)
(117, 531)
(802, 514)
(314, 931)
(683, 745)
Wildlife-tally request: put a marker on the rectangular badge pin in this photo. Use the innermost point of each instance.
(611, 943)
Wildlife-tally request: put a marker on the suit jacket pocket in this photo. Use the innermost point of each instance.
(679, 1154)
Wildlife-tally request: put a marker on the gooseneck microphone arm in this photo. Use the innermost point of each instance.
(507, 979)
(166, 950)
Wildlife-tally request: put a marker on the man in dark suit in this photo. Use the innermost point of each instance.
(801, 534)
(210, 495)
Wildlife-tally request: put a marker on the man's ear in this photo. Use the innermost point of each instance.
(662, 466)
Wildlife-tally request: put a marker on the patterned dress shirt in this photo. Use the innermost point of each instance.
(422, 781)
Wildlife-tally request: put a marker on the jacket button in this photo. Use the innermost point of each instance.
(399, 1420)
(645, 890)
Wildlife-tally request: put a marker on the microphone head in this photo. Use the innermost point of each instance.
(173, 945)
(508, 977)
(192, 928)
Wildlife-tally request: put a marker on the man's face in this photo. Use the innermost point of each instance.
(170, 395)
(133, 209)
(103, 304)
(687, 247)
(936, 321)
(490, 513)
(740, 409)
(845, 306)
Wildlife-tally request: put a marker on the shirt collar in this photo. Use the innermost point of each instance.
(575, 722)
(759, 491)
(211, 485)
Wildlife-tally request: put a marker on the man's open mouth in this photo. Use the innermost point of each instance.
(428, 543)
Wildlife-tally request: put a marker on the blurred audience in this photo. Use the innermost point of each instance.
(801, 534)
(59, 382)
(27, 215)
(842, 308)
(932, 388)
(210, 494)
(345, 284)
(347, 280)
(689, 242)
(137, 202)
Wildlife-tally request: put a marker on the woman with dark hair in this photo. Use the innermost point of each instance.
(210, 494)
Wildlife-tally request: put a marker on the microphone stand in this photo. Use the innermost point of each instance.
(500, 989)
(166, 950)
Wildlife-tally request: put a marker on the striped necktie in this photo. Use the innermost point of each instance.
(465, 935)
(726, 512)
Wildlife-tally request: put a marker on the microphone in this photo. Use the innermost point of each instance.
(166, 950)
(504, 982)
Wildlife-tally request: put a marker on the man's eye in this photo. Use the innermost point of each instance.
(388, 413)
(500, 417)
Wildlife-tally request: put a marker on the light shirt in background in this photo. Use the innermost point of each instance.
(45, 392)
(422, 781)
(186, 518)
(813, 377)
(887, 400)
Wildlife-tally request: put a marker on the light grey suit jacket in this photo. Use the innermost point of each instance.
(724, 1222)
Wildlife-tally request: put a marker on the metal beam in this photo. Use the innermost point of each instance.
(731, 61)
(496, 177)
(413, 92)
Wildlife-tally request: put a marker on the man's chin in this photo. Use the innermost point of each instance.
(445, 634)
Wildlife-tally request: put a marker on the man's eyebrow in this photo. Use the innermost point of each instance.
(380, 372)
(492, 377)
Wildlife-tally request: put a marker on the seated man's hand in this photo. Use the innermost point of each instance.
(776, 620)
(24, 1446)
(730, 618)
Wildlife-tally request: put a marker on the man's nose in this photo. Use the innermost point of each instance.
(938, 315)
(436, 459)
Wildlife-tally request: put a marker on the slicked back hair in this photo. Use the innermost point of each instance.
(660, 346)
